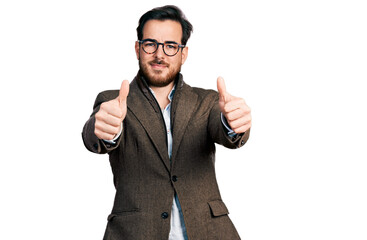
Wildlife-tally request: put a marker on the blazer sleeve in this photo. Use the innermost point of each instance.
(91, 141)
(218, 132)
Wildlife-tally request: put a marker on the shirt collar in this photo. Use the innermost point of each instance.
(170, 95)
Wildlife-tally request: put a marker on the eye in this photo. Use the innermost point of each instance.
(149, 44)
(171, 46)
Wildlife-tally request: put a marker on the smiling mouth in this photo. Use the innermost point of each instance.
(158, 65)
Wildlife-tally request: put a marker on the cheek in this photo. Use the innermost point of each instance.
(178, 64)
(176, 61)
(144, 58)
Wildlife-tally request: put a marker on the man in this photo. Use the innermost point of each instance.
(160, 135)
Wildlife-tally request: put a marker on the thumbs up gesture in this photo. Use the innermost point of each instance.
(111, 114)
(235, 109)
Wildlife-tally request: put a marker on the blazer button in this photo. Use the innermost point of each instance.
(174, 178)
(242, 142)
(164, 215)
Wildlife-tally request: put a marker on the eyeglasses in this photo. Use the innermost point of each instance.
(170, 48)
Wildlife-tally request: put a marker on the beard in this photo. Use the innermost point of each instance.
(155, 78)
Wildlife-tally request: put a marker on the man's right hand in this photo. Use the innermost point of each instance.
(111, 114)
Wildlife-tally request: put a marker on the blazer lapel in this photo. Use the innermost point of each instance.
(147, 112)
(183, 107)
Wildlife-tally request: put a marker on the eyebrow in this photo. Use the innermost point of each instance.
(151, 39)
(171, 42)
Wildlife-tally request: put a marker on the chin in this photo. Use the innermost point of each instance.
(159, 81)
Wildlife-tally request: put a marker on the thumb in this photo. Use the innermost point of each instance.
(221, 86)
(124, 91)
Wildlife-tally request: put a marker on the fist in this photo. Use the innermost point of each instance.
(111, 114)
(235, 109)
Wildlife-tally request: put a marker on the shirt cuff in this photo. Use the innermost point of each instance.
(230, 132)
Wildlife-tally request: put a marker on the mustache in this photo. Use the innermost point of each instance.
(157, 61)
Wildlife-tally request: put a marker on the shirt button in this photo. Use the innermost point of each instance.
(174, 178)
(164, 215)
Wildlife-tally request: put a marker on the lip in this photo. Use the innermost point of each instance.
(158, 66)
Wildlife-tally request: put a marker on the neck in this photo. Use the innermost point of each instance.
(161, 94)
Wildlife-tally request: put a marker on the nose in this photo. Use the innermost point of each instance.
(159, 53)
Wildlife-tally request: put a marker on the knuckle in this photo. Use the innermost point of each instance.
(97, 133)
(113, 130)
(226, 108)
(247, 121)
(101, 114)
(237, 130)
(108, 137)
(115, 121)
(229, 117)
(118, 123)
(233, 125)
(97, 125)
(246, 110)
(103, 105)
(119, 112)
(98, 115)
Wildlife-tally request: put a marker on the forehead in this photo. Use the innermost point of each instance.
(166, 30)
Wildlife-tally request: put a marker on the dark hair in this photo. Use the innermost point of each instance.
(168, 12)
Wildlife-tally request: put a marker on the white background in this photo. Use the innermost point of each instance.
(300, 65)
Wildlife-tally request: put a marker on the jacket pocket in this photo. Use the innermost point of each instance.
(122, 213)
(218, 208)
(127, 225)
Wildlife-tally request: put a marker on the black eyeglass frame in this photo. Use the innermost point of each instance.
(158, 43)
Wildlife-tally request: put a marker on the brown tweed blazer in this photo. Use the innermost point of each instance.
(146, 179)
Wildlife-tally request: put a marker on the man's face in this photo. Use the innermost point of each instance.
(160, 69)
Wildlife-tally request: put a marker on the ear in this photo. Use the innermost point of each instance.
(185, 52)
(137, 49)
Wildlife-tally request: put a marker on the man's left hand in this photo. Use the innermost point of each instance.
(235, 109)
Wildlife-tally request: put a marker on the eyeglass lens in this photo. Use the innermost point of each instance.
(169, 48)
